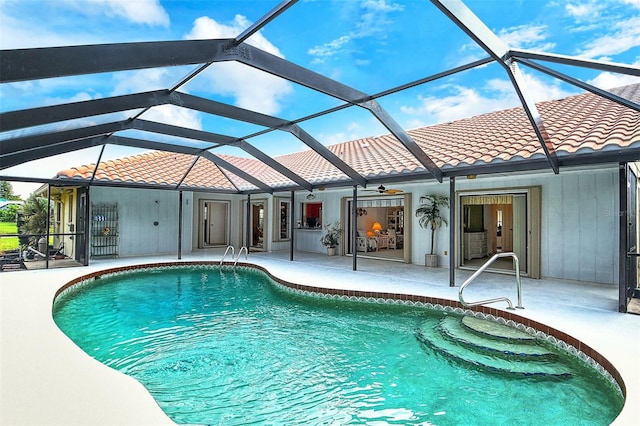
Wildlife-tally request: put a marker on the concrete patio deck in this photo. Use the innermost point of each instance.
(47, 380)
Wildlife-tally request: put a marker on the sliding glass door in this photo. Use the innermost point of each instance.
(381, 227)
(501, 221)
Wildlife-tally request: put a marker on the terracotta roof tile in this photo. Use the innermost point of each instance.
(311, 166)
(576, 125)
(160, 168)
(257, 169)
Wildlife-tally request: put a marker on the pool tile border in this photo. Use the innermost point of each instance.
(558, 338)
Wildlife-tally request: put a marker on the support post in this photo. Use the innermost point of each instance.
(247, 231)
(292, 213)
(46, 251)
(354, 226)
(622, 231)
(87, 227)
(452, 231)
(180, 225)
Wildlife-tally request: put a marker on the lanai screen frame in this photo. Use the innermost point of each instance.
(32, 64)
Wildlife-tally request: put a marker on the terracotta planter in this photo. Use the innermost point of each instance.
(431, 260)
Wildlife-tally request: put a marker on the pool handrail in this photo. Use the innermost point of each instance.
(233, 251)
(498, 299)
(246, 255)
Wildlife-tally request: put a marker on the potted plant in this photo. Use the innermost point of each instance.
(430, 217)
(331, 238)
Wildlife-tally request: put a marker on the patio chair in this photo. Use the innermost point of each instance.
(392, 239)
(365, 243)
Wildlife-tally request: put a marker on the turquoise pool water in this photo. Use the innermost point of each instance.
(223, 347)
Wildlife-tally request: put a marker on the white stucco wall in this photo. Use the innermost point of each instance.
(579, 224)
(138, 209)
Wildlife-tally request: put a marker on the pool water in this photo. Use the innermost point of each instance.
(231, 347)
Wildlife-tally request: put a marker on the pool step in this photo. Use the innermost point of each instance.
(492, 338)
(493, 329)
(492, 348)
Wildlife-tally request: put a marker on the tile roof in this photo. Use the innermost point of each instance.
(576, 125)
(156, 167)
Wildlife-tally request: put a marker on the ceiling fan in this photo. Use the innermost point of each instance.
(382, 190)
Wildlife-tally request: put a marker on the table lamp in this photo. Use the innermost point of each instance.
(377, 227)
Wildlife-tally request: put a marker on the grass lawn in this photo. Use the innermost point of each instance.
(8, 243)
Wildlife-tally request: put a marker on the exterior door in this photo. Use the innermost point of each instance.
(214, 217)
(391, 241)
(257, 229)
(498, 222)
(257, 221)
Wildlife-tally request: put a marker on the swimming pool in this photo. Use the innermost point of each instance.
(231, 347)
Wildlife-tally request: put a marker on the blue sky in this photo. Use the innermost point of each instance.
(371, 45)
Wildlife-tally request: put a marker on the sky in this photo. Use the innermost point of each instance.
(370, 45)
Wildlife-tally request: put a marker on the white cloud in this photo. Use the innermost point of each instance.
(78, 97)
(624, 35)
(526, 37)
(146, 79)
(207, 28)
(373, 18)
(531, 37)
(328, 49)
(370, 19)
(47, 168)
(607, 80)
(147, 12)
(353, 130)
(460, 103)
(154, 79)
(381, 6)
(612, 27)
(171, 114)
(457, 102)
(584, 11)
(18, 33)
(252, 89)
(24, 189)
(74, 22)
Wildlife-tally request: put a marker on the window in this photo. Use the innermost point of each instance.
(58, 212)
(311, 215)
(70, 218)
(282, 219)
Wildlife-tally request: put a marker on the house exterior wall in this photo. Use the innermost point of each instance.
(578, 229)
(579, 224)
(309, 239)
(138, 210)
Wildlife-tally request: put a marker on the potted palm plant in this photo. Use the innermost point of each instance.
(430, 217)
(331, 238)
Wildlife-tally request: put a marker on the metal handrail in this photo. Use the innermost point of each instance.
(233, 251)
(498, 299)
(246, 255)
